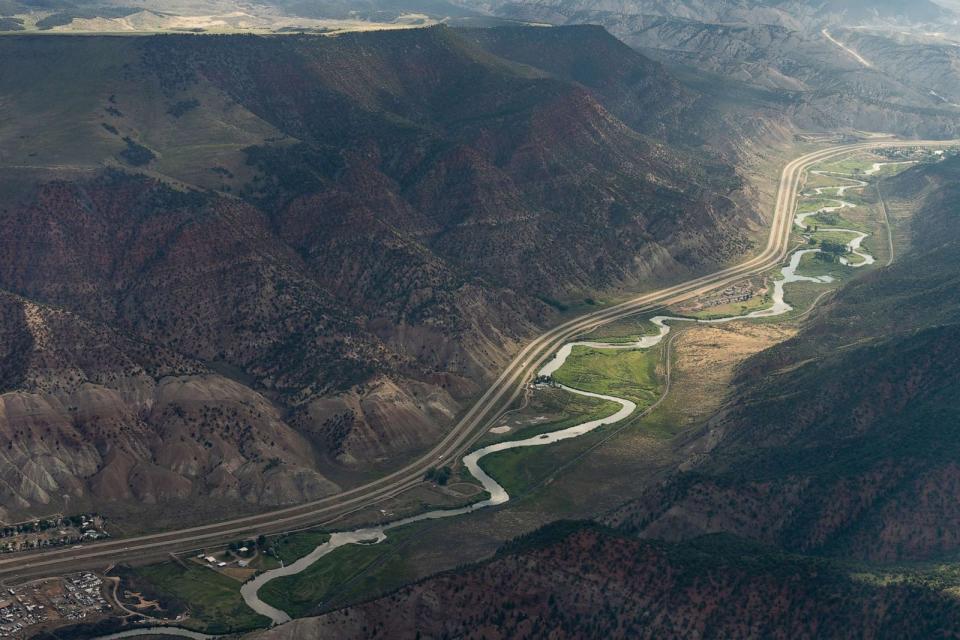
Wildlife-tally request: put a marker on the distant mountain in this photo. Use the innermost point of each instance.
(334, 240)
(911, 11)
(232, 16)
(335, 15)
(796, 49)
(793, 14)
(374, 10)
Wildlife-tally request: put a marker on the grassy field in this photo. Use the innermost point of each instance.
(834, 219)
(519, 469)
(812, 204)
(213, 600)
(801, 295)
(853, 259)
(891, 170)
(296, 545)
(858, 165)
(622, 331)
(75, 115)
(854, 164)
(352, 569)
(812, 265)
(624, 374)
(815, 181)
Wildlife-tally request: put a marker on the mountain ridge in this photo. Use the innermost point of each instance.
(356, 231)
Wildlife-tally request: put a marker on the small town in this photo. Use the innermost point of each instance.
(77, 596)
(735, 293)
(53, 531)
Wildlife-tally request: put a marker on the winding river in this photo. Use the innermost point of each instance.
(497, 494)
(376, 534)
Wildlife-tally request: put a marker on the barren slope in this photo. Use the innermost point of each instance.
(350, 233)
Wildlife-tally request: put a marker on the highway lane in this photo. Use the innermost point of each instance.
(498, 397)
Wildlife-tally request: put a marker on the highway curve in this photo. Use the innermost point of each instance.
(498, 397)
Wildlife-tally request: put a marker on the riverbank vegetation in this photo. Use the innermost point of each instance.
(341, 575)
(623, 374)
(212, 600)
(622, 331)
(550, 410)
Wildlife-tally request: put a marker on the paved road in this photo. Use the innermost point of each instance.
(498, 397)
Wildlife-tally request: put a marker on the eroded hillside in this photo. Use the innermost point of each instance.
(831, 65)
(343, 236)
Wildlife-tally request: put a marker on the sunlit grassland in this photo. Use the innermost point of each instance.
(814, 265)
(834, 219)
(836, 237)
(855, 164)
(622, 331)
(890, 170)
(812, 204)
(630, 374)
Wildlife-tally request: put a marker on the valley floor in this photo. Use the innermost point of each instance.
(618, 411)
